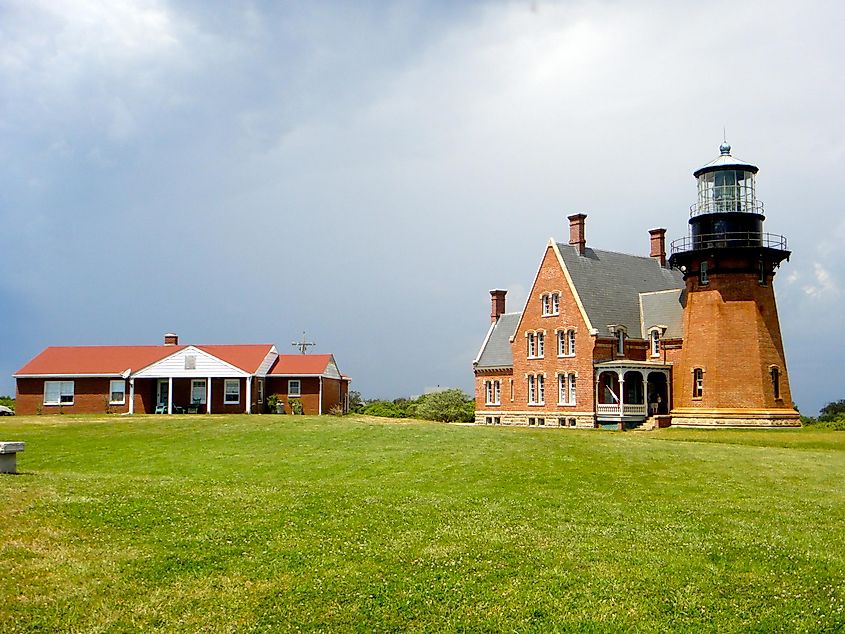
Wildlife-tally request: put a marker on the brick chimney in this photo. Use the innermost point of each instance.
(577, 235)
(497, 302)
(658, 245)
(171, 340)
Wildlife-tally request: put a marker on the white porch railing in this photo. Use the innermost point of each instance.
(612, 409)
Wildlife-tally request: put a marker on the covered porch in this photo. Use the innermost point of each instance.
(193, 395)
(628, 392)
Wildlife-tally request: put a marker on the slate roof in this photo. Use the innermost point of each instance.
(663, 308)
(496, 350)
(609, 285)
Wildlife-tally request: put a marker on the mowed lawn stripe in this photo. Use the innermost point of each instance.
(268, 523)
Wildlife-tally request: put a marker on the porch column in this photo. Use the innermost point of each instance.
(249, 395)
(621, 393)
(170, 395)
(644, 377)
(131, 396)
(208, 396)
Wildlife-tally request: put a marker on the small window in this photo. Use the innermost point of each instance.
(497, 392)
(58, 392)
(775, 382)
(190, 362)
(532, 345)
(294, 387)
(762, 276)
(531, 420)
(620, 342)
(572, 422)
(561, 422)
(655, 343)
(232, 391)
(541, 421)
(572, 389)
(697, 383)
(562, 391)
(117, 392)
(488, 420)
(546, 304)
(540, 345)
(198, 392)
(532, 394)
(511, 380)
(570, 343)
(555, 304)
(497, 420)
(260, 390)
(703, 277)
(541, 389)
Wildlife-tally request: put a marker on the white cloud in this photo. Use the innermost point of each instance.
(825, 286)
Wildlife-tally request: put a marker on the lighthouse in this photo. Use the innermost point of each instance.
(731, 370)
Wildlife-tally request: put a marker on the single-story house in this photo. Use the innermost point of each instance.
(174, 378)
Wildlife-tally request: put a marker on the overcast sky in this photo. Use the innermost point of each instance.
(238, 172)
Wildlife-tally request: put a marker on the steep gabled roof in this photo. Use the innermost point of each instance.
(663, 308)
(609, 284)
(305, 365)
(496, 350)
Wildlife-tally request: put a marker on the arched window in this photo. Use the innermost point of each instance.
(570, 343)
(697, 383)
(775, 372)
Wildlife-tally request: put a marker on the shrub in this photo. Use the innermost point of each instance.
(449, 406)
(336, 410)
(387, 409)
(296, 406)
(8, 401)
(832, 411)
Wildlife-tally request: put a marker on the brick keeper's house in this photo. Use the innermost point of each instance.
(614, 340)
(174, 378)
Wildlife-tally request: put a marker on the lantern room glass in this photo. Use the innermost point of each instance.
(726, 191)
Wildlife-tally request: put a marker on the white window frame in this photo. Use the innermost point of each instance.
(541, 345)
(703, 273)
(620, 342)
(532, 345)
(655, 343)
(488, 392)
(291, 392)
(194, 384)
(546, 304)
(572, 391)
(122, 390)
(532, 390)
(260, 388)
(493, 392)
(226, 384)
(541, 389)
(555, 304)
(570, 342)
(562, 389)
(65, 389)
(697, 382)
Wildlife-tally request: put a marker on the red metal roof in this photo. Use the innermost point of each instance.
(114, 360)
(77, 360)
(293, 364)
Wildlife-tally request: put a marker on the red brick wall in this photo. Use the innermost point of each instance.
(90, 396)
(732, 332)
(550, 279)
(309, 386)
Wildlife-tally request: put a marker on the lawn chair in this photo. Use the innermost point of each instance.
(161, 408)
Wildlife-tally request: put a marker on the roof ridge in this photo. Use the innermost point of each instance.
(629, 255)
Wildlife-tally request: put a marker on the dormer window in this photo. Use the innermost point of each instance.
(654, 341)
(620, 342)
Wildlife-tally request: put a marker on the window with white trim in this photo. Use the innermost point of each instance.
(697, 383)
(570, 343)
(198, 392)
(546, 305)
(232, 391)
(541, 392)
(117, 392)
(260, 390)
(703, 275)
(620, 342)
(540, 345)
(294, 387)
(493, 390)
(536, 344)
(532, 345)
(555, 304)
(566, 389)
(58, 392)
(532, 390)
(655, 343)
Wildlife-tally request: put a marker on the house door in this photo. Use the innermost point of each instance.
(161, 392)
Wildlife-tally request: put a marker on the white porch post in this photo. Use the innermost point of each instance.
(320, 404)
(645, 392)
(249, 395)
(621, 394)
(131, 396)
(170, 395)
(208, 396)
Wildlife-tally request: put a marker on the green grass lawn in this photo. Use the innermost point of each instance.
(280, 523)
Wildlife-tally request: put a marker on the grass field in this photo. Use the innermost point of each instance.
(279, 523)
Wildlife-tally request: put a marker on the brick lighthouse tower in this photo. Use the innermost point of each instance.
(732, 369)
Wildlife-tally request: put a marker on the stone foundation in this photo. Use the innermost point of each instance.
(540, 419)
(734, 418)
